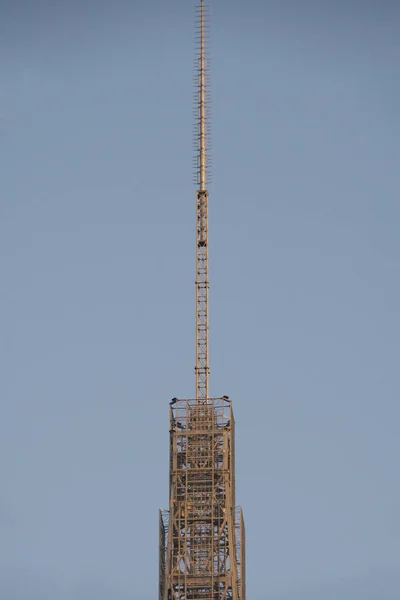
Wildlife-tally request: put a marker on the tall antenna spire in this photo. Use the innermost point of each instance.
(202, 535)
(201, 146)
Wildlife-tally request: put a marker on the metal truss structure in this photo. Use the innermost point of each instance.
(201, 142)
(202, 535)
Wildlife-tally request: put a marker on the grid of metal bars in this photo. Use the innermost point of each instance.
(202, 293)
(201, 541)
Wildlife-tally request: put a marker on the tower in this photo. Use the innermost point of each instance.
(202, 535)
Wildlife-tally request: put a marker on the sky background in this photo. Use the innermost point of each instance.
(97, 216)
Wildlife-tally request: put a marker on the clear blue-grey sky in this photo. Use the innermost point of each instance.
(97, 304)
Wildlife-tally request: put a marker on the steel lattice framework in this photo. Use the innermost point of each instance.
(202, 291)
(202, 534)
(202, 124)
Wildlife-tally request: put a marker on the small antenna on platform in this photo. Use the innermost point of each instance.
(201, 141)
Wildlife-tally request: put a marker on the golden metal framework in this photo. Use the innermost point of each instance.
(202, 534)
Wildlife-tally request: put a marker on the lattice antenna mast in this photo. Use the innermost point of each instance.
(202, 103)
(202, 534)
